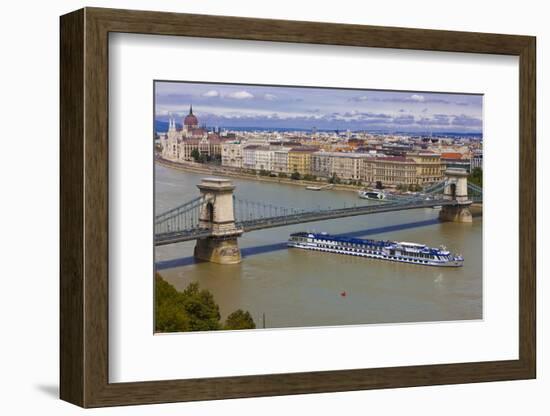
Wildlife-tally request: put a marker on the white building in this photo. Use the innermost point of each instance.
(343, 165)
(249, 157)
(232, 154)
(476, 161)
(264, 158)
(280, 160)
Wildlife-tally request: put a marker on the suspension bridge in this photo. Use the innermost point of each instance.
(217, 217)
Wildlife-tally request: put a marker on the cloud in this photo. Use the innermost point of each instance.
(270, 97)
(240, 95)
(415, 99)
(360, 98)
(354, 120)
(466, 121)
(211, 93)
(405, 119)
(436, 120)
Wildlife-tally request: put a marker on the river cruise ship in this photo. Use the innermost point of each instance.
(403, 252)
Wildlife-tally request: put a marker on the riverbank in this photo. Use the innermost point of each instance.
(200, 168)
(220, 171)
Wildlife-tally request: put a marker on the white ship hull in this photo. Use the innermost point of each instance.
(381, 253)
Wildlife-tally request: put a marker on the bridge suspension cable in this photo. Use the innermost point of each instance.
(184, 217)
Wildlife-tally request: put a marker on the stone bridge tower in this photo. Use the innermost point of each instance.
(456, 189)
(217, 215)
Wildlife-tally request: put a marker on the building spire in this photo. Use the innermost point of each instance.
(172, 124)
(191, 109)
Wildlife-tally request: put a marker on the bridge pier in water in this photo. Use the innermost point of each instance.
(456, 189)
(217, 215)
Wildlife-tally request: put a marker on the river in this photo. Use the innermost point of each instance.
(299, 288)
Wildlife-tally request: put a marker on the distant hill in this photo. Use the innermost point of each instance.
(162, 126)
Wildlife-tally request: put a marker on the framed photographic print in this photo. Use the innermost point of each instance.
(256, 207)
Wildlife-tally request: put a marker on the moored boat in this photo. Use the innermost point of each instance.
(318, 188)
(371, 195)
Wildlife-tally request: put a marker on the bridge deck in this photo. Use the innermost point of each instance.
(302, 217)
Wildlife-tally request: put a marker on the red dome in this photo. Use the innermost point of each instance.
(190, 120)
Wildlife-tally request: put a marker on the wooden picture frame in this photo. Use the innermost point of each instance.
(84, 207)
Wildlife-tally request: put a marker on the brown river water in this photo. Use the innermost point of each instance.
(299, 288)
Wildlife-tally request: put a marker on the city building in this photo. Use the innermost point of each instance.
(299, 159)
(264, 158)
(232, 154)
(321, 164)
(249, 156)
(280, 160)
(181, 144)
(390, 170)
(476, 161)
(455, 160)
(429, 168)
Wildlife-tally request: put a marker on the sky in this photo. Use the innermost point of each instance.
(241, 106)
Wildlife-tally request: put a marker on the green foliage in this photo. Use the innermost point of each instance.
(203, 312)
(264, 172)
(283, 175)
(169, 313)
(413, 187)
(476, 176)
(295, 176)
(192, 310)
(195, 154)
(379, 185)
(334, 179)
(239, 320)
(309, 177)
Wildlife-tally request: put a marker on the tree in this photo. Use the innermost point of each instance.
(402, 187)
(283, 175)
(413, 187)
(169, 313)
(171, 317)
(295, 176)
(195, 154)
(264, 172)
(476, 177)
(379, 185)
(203, 312)
(192, 310)
(239, 320)
(334, 179)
